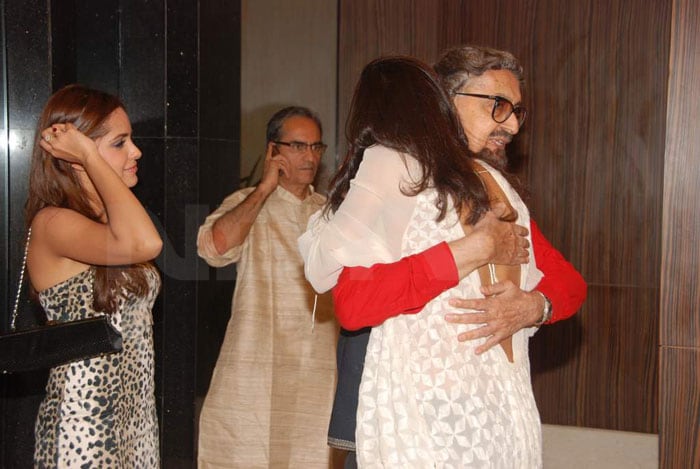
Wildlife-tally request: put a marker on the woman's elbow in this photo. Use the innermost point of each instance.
(320, 283)
(149, 248)
(348, 311)
(347, 319)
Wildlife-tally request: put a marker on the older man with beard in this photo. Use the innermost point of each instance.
(485, 87)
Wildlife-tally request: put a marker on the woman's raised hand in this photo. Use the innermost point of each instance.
(66, 142)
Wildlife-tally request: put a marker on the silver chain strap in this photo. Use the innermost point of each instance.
(21, 281)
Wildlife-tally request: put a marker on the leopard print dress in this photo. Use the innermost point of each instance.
(100, 412)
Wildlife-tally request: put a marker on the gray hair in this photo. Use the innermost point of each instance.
(274, 125)
(458, 65)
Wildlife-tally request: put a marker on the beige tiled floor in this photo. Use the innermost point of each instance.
(592, 448)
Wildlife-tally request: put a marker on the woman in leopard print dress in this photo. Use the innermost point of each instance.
(89, 253)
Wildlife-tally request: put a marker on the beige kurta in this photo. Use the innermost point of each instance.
(271, 394)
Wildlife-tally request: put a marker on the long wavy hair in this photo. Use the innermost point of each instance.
(398, 103)
(54, 183)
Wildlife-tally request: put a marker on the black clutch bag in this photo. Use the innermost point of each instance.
(55, 343)
(58, 343)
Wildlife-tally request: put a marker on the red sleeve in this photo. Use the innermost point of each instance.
(368, 296)
(561, 283)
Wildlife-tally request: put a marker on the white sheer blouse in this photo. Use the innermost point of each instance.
(370, 223)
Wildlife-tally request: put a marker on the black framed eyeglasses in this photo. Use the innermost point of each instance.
(502, 108)
(300, 147)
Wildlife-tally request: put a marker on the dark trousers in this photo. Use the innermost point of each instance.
(352, 347)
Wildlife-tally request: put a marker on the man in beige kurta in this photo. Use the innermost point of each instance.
(270, 396)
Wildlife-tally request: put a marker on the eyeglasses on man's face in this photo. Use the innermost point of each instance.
(502, 108)
(295, 147)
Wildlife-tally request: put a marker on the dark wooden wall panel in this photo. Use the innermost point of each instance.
(595, 165)
(681, 265)
(592, 151)
(679, 444)
(585, 380)
(369, 29)
(679, 393)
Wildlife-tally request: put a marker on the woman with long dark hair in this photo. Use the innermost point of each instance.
(409, 183)
(91, 244)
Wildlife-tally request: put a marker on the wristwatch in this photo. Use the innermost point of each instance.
(546, 311)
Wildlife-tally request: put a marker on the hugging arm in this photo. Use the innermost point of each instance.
(562, 283)
(368, 296)
(360, 232)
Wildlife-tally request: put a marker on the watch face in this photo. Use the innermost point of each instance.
(547, 309)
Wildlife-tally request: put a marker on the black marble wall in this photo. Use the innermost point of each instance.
(176, 64)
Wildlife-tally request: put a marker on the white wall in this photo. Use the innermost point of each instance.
(288, 57)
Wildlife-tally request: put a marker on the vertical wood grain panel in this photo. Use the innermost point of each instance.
(679, 442)
(681, 264)
(369, 29)
(679, 393)
(595, 166)
(600, 371)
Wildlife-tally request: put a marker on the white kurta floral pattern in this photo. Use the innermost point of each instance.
(426, 399)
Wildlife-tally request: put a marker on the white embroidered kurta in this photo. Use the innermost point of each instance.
(426, 399)
(271, 393)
